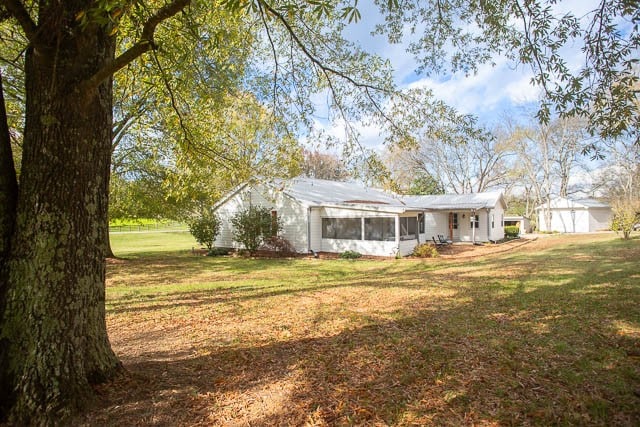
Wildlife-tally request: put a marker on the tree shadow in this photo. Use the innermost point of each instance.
(536, 339)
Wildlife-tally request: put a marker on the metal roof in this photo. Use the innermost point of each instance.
(566, 203)
(352, 195)
(456, 201)
(320, 192)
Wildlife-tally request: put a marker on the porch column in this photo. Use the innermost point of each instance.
(473, 224)
(398, 232)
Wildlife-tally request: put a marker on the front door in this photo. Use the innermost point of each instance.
(450, 225)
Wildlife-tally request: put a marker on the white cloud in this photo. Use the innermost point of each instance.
(489, 92)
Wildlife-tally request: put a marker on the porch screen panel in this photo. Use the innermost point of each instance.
(408, 227)
(383, 229)
(342, 228)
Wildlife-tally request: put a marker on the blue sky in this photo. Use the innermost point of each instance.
(493, 92)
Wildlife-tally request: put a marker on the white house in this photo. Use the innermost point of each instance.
(574, 216)
(327, 216)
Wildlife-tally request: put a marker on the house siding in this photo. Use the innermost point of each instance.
(316, 230)
(434, 223)
(302, 219)
(291, 214)
(367, 247)
(600, 219)
(497, 230)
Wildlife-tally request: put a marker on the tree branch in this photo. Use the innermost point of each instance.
(145, 44)
(20, 13)
(316, 61)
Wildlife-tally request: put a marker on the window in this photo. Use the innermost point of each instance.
(455, 221)
(408, 227)
(475, 221)
(380, 229)
(342, 228)
(421, 223)
(492, 221)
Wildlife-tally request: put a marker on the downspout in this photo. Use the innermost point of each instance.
(489, 224)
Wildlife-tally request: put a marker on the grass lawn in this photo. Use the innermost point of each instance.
(145, 244)
(545, 334)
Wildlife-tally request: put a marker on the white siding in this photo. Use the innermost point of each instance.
(365, 247)
(407, 246)
(225, 212)
(466, 232)
(292, 215)
(496, 223)
(600, 219)
(586, 220)
(316, 230)
(435, 223)
(563, 221)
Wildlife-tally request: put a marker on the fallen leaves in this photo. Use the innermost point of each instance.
(250, 342)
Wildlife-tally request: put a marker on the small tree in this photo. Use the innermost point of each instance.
(251, 226)
(205, 228)
(625, 215)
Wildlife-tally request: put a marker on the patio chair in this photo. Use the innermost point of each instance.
(436, 242)
(443, 240)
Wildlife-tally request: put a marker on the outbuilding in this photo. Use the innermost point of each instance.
(574, 215)
(522, 222)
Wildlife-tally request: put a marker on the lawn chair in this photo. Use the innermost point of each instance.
(444, 241)
(436, 242)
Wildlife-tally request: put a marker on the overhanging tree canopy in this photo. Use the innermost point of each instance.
(53, 221)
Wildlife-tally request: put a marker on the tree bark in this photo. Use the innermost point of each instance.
(8, 183)
(8, 198)
(53, 327)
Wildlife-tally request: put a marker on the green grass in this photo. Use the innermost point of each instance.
(147, 243)
(548, 334)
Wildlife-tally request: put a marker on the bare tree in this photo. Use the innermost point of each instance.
(466, 167)
(548, 156)
(324, 166)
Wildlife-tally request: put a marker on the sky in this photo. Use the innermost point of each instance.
(494, 92)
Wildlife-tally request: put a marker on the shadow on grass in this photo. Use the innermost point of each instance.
(527, 339)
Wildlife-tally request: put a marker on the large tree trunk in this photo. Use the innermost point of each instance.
(8, 199)
(53, 326)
